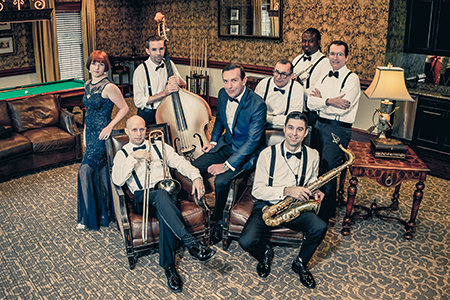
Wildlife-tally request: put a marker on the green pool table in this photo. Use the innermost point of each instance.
(71, 92)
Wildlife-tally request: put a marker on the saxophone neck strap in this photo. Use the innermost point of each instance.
(273, 159)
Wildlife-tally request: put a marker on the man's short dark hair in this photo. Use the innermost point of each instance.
(153, 38)
(297, 115)
(287, 61)
(314, 32)
(230, 67)
(339, 43)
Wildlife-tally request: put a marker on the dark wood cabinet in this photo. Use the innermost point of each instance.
(427, 27)
(432, 124)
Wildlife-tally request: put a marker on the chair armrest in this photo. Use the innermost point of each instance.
(67, 121)
(120, 208)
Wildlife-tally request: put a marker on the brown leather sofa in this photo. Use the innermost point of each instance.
(34, 133)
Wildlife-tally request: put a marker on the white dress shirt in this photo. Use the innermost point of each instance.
(231, 110)
(284, 173)
(317, 74)
(330, 87)
(124, 166)
(276, 101)
(158, 81)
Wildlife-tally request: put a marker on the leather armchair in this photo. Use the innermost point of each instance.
(195, 212)
(240, 202)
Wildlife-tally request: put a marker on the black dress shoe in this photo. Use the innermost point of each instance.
(216, 234)
(173, 280)
(263, 268)
(306, 277)
(202, 253)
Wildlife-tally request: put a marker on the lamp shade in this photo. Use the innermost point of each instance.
(388, 83)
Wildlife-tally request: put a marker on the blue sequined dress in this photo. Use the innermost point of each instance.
(95, 207)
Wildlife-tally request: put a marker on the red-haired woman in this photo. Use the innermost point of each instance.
(95, 206)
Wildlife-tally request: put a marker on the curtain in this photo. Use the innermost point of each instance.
(89, 33)
(257, 20)
(275, 21)
(46, 47)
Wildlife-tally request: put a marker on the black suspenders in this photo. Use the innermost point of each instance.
(272, 164)
(343, 82)
(148, 81)
(289, 95)
(310, 71)
(138, 182)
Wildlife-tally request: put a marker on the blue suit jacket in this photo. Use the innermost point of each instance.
(248, 137)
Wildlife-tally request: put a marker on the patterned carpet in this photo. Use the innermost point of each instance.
(43, 256)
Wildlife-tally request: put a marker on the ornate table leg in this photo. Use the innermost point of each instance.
(352, 189)
(340, 197)
(411, 225)
(395, 196)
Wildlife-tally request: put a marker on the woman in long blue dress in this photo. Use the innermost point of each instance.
(95, 206)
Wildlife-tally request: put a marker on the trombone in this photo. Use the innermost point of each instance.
(168, 184)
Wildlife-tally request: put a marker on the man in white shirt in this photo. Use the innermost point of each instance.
(335, 98)
(311, 65)
(129, 167)
(150, 82)
(281, 94)
(293, 167)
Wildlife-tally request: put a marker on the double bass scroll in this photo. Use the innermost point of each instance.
(186, 113)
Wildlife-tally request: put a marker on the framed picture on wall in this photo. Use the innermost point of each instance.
(234, 29)
(5, 26)
(6, 45)
(234, 15)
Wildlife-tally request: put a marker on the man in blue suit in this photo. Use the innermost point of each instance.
(236, 140)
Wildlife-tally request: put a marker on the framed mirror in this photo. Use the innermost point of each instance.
(251, 19)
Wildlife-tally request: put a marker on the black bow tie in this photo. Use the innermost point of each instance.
(289, 155)
(305, 58)
(335, 74)
(233, 100)
(142, 147)
(159, 67)
(275, 89)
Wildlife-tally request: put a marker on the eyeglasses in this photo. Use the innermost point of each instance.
(282, 75)
(340, 54)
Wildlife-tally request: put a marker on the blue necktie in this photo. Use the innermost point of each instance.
(335, 74)
(142, 147)
(275, 89)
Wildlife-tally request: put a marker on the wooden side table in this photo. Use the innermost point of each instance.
(388, 173)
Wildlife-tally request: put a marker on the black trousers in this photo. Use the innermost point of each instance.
(148, 115)
(331, 156)
(222, 181)
(171, 224)
(255, 232)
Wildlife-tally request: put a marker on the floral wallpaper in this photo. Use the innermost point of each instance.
(363, 24)
(23, 55)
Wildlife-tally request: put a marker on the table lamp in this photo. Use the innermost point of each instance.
(388, 85)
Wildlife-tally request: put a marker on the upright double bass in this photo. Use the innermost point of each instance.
(186, 113)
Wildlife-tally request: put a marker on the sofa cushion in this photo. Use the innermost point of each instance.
(14, 145)
(5, 131)
(34, 112)
(49, 139)
(5, 120)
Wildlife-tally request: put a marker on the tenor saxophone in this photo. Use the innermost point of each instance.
(290, 208)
